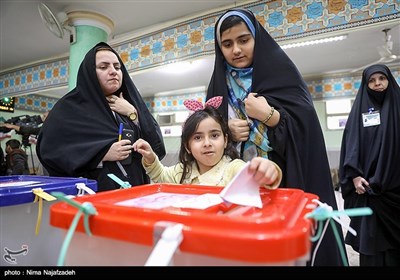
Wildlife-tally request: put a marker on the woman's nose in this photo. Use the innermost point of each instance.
(113, 70)
(236, 49)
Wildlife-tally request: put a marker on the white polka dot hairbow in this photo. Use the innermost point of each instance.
(195, 105)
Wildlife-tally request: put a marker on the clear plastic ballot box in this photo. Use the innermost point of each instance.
(128, 223)
(26, 237)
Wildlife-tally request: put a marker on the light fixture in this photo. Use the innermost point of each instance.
(180, 67)
(314, 42)
(181, 91)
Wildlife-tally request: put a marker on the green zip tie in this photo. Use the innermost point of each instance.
(325, 212)
(123, 184)
(322, 213)
(87, 209)
(339, 243)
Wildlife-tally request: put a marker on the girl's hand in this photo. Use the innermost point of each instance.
(143, 147)
(265, 172)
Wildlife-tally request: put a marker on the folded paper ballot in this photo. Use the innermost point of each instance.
(243, 189)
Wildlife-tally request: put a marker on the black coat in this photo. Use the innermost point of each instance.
(17, 163)
(3, 166)
(373, 153)
(297, 141)
(81, 127)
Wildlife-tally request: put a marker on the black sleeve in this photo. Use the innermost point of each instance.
(19, 164)
(3, 166)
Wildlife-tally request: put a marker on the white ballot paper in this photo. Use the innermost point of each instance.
(200, 202)
(243, 189)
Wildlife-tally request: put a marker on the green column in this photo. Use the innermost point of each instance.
(90, 28)
(86, 38)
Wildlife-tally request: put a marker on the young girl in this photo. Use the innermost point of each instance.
(207, 155)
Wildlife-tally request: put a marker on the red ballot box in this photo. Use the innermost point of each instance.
(129, 221)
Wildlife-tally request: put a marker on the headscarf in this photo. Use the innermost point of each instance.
(373, 152)
(277, 78)
(376, 97)
(297, 141)
(81, 127)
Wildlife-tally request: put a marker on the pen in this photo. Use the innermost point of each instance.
(121, 126)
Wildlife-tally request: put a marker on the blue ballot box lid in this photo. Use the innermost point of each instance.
(17, 189)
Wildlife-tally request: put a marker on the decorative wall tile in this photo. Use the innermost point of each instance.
(284, 20)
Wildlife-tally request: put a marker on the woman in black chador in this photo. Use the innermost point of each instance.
(270, 112)
(369, 168)
(80, 137)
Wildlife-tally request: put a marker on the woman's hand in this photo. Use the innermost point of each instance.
(240, 129)
(120, 105)
(256, 107)
(119, 151)
(359, 183)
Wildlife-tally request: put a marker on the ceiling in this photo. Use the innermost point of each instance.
(24, 40)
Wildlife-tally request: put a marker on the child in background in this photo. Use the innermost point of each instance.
(16, 158)
(207, 155)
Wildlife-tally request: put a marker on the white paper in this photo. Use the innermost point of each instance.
(200, 202)
(156, 201)
(243, 189)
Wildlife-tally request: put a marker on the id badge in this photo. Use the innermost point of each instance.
(371, 119)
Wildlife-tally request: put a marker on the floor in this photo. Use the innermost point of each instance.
(351, 254)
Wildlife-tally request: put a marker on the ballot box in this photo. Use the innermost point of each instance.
(146, 222)
(26, 237)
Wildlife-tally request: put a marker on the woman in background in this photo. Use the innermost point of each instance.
(368, 169)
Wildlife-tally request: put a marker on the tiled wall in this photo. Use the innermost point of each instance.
(284, 20)
(325, 88)
(345, 86)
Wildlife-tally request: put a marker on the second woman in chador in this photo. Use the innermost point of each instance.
(271, 113)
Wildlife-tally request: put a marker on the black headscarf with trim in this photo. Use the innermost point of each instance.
(373, 152)
(81, 127)
(297, 141)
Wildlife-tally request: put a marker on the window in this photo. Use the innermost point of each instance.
(168, 119)
(337, 112)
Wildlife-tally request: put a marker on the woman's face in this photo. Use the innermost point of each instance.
(207, 144)
(108, 70)
(378, 82)
(237, 46)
